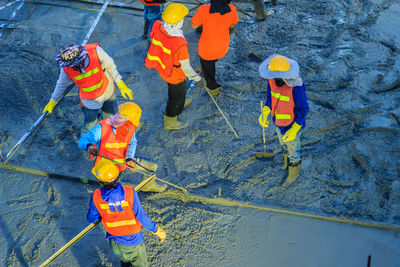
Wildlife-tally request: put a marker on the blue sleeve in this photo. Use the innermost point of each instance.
(268, 101)
(141, 215)
(301, 104)
(91, 137)
(131, 148)
(93, 214)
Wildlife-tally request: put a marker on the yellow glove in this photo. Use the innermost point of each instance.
(160, 233)
(291, 133)
(49, 107)
(263, 119)
(125, 91)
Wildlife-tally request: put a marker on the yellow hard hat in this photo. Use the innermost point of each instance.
(279, 63)
(131, 111)
(174, 13)
(105, 171)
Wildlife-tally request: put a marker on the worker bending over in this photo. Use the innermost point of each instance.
(94, 72)
(287, 104)
(168, 54)
(115, 138)
(119, 209)
(218, 19)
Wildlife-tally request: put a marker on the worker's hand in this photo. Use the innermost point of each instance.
(131, 164)
(160, 233)
(263, 119)
(291, 133)
(49, 107)
(125, 91)
(93, 150)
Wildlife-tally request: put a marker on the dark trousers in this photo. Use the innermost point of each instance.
(208, 69)
(176, 99)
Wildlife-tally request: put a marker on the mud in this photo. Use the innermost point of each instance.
(349, 54)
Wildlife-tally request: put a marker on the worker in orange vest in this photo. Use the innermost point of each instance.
(94, 73)
(115, 138)
(218, 19)
(168, 54)
(119, 209)
(288, 106)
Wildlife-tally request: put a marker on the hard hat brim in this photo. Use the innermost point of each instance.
(293, 73)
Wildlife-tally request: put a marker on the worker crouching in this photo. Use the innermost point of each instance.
(115, 139)
(168, 54)
(119, 209)
(287, 104)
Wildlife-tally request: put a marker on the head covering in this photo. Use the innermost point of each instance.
(220, 6)
(291, 74)
(174, 29)
(71, 55)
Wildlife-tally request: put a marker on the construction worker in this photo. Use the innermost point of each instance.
(168, 54)
(218, 19)
(287, 104)
(119, 209)
(115, 139)
(94, 72)
(152, 12)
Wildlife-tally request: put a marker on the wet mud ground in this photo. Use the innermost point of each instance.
(348, 52)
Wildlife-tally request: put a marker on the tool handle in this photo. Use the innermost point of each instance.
(263, 130)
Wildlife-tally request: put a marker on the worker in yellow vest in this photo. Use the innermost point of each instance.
(94, 73)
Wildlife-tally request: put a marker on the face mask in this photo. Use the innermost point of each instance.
(279, 82)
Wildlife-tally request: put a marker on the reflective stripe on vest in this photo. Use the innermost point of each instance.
(114, 146)
(282, 103)
(161, 52)
(93, 82)
(118, 223)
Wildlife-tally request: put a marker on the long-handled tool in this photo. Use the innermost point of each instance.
(87, 229)
(263, 154)
(46, 114)
(222, 113)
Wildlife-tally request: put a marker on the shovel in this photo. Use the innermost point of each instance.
(263, 154)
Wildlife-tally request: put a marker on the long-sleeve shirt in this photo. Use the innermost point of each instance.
(112, 74)
(93, 136)
(114, 195)
(301, 108)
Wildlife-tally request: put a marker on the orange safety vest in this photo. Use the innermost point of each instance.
(118, 223)
(161, 51)
(153, 2)
(282, 103)
(114, 146)
(94, 82)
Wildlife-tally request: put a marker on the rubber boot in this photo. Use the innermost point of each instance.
(294, 171)
(285, 161)
(259, 8)
(152, 186)
(145, 30)
(214, 92)
(188, 101)
(172, 123)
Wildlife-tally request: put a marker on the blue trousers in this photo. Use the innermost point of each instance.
(92, 115)
(151, 14)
